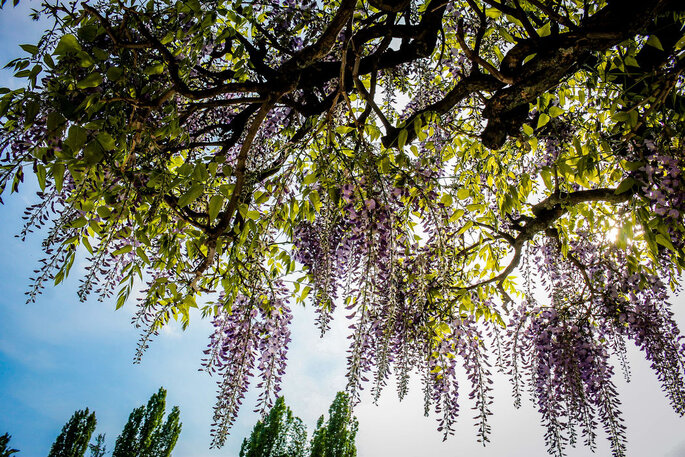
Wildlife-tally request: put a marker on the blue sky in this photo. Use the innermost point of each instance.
(58, 355)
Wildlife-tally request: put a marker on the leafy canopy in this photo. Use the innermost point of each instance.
(146, 434)
(427, 164)
(335, 437)
(280, 433)
(5, 449)
(75, 435)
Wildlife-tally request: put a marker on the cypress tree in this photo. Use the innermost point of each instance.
(165, 437)
(144, 435)
(75, 436)
(279, 434)
(336, 438)
(5, 449)
(317, 447)
(127, 444)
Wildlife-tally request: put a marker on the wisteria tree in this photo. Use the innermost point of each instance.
(480, 183)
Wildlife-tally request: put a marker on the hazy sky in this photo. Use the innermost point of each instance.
(59, 355)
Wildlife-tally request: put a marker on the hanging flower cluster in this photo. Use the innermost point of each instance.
(562, 349)
(251, 332)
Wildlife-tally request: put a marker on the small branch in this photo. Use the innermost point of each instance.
(523, 17)
(110, 32)
(563, 20)
(475, 58)
(546, 213)
(240, 168)
(187, 214)
(369, 99)
(464, 87)
(181, 86)
(316, 51)
(226, 102)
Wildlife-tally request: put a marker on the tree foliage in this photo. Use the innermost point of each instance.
(5, 449)
(75, 436)
(335, 437)
(428, 164)
(279, 434)
(98, 448)
(146, 434)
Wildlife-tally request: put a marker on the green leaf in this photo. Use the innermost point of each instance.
(632, 166)
(31, 49)
(529, 57)
(77, 137)
(545, 30)
(95, 227)
(48, 61)
(79, 223)
(315, 200)
(191, 195)
(58, 170)
(55, 121)
(631, 61)
(625, 186)
(493, 13)
(141, 253)
(578, 147)
(4, 106)
(123, 250)
(654, 41)
(93, 153)
(92, 80)
(86, 242)
(106, 141)
(121, 299)
(59, 277)
(103, 211)
(633, 117)
(680, 44)
(215, 205)
(68, 43)
(447, 199)
(402, 138)
(466, 226)
(543, 120)
(260, 197)
(664, 241)
(555, 111)
(154, 69)
(86, 61)
(621, 116)
(114, 73)
(41, 175)
(546, 175)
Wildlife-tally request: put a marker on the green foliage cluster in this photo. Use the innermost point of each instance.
(281, 434)
(278, 434)
(5, 449)
(144, 435)
(335, 437)
(75, 436)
